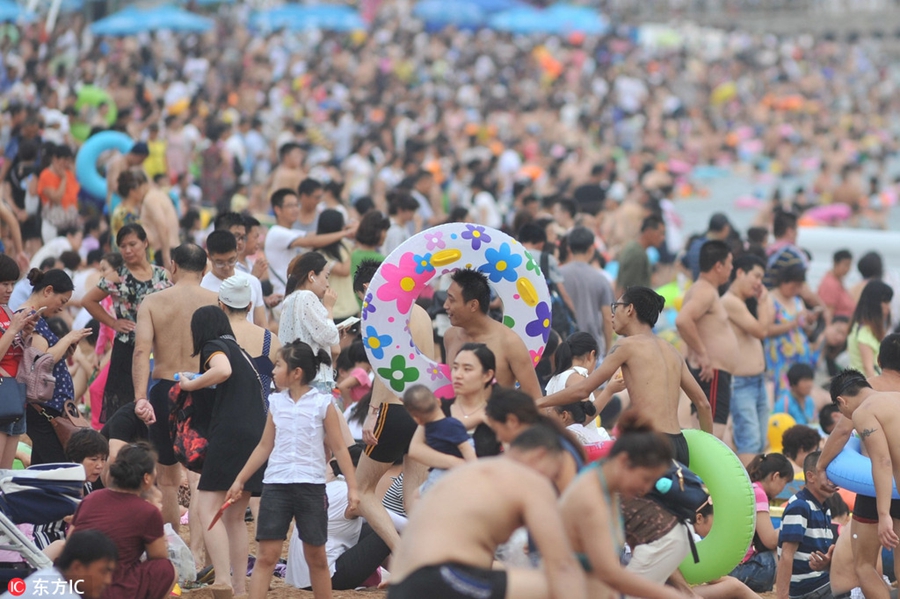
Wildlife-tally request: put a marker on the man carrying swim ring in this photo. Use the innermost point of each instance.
(872, 407)
(388, 428)
(654, 371)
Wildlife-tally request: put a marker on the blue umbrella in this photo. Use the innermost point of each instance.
(492, 6)
(293, 17)
(128, 21)
(568, 18)
(10, 11)
(176, 19)
(462, 13)
(522, 20)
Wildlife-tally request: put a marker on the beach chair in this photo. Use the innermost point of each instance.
(38, 495)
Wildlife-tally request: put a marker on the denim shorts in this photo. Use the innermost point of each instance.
(14, 428)
(750, 411)
(304, 503)
(758, 572)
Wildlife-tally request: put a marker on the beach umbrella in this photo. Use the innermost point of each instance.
(10, 11)
(492, 6)
(128, 21)
(176, 19)
(295, 17)
(569, 18)
(463, 13)
(523, 20)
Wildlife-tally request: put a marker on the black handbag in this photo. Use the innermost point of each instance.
(12, 400)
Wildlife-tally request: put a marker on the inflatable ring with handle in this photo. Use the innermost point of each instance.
(510, 268)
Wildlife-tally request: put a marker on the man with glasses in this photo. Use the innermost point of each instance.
(654, 371)
(221, 246)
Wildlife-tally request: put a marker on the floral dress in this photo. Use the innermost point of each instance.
(127, 295)
(787, 349)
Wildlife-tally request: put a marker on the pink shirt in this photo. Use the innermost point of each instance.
(762, 505)
(365, 385)
(835, 296)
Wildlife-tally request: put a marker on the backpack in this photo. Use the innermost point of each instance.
(36, 373)
(188, 420)
(681, 493)
(561, 318)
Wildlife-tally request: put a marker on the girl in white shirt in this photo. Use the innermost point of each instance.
(300, 420)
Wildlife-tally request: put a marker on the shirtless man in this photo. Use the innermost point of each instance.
(160, 220)
(750, 402)
(134, 158)
(164, 327)
(289, 173)
(388, 428)
(468, 299)
(703, 324)
(654, 371)
(866, 543)
(448, 546)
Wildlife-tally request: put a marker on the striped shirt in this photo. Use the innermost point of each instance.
(808, 523)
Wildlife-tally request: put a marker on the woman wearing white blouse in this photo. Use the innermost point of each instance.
(307, 312)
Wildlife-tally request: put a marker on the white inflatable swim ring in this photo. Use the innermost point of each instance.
(513, 273)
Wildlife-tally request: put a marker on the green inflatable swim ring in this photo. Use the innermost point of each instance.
(91, 95)
(735, 509)
(670, 293)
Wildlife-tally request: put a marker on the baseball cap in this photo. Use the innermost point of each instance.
(140, 149)
(235, 292)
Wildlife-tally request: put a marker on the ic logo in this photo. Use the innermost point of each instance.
(16, 587)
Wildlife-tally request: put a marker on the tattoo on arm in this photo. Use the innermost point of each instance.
(612, 350)
(866, 432)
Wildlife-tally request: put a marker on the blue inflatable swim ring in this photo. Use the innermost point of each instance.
(852, 470)
(86, 162)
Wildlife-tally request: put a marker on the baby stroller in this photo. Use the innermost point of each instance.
(38, 495)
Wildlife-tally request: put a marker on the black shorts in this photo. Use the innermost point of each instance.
(718, 391)
(304, 503)
(682, 453)
(451, 581)
(159, 433)
(394, 429)
(865, 510)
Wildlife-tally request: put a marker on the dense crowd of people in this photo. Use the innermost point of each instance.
(203, 314)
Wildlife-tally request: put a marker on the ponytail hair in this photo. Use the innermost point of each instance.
(768, 463)
(55, 278)
(576, 345)
(580, 410)
(298, 354)
(644, 446)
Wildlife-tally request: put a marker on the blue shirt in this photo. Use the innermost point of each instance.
(808, 523)
(787, 403)
(64, 390)
(445, 435)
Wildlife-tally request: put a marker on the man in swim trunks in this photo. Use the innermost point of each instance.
(704, 327)
(448, 546)
(468, 300)
(164, 328)
(876, 402)
(388, 428)
(654, 372)
(750, 401)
